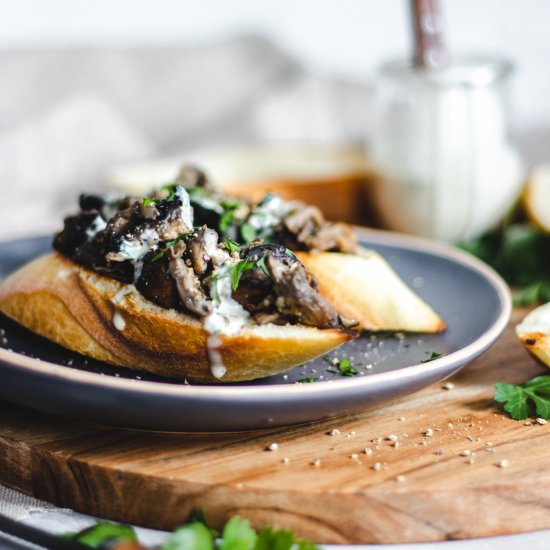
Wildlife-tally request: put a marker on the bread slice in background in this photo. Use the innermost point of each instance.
(365, 288)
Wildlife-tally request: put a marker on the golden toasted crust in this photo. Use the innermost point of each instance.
(365, 288)
(81, 311)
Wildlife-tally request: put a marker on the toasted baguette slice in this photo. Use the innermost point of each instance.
(365, 288)
(102, 318)
(534, 333)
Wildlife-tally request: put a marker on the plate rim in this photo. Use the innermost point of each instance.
(229, 392)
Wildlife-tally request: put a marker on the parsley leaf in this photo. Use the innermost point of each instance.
(194, 536)
(525, 400)
(102, 532)
(146, 201)
(433, 355)
(307, 380)
(345, 368)
(248, 232)
(238, 535)
(231, 245)
(171, 188)
(236, 272)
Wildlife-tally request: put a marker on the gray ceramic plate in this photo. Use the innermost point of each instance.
(471, 298)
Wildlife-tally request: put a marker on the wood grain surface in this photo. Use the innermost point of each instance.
(444, 463)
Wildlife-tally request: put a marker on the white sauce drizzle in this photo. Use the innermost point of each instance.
(227, 318)
(270, 212)
(135, 250)
(118, 321)
(97, 225)
(186, 209)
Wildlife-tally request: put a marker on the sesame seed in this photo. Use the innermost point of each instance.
(396, 444)
(273, 447)
(401, 419)
(448, 386)
(450, 426)
(285, 460)
(465, 453)
(368, 451)
(503, 464)
(354, 456)
(528, 423)
(392, 437)
(334, 432)
(316, 462)
(471, 460)
(377, 466)
(400, 479)
(429, 432)
(542, 421)
(490, 450)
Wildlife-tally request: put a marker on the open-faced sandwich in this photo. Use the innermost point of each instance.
(193, 284)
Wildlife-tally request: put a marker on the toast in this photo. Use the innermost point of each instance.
(107, 320)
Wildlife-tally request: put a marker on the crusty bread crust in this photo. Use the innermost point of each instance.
(81, 310)
(365, 288)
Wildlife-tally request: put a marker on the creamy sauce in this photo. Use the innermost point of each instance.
(136, 249)
(118, 321)
(98, 225)
(227, 317)
(215, 359)
(186, 208)
(269, 213)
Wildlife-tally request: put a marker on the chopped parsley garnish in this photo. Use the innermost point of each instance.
(345, 368)
(171, 188)
(248, 232)
(433, 355)
(307, 380)
(261, 264)
(236, 272)
(231, 245)
(525, 400)
(147, 201)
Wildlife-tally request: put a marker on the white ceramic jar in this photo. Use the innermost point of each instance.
(449, 170)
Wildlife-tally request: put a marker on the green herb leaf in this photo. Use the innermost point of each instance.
(238, 535)
(269, 539)
(236, 272)
(307, 380)
(195, 536)
(231, 245)
(261, 264)
(532, 294)
(101, 533)
(146, 201)
(433, 355)
(345, 368)
(171, 188)
(525, 400)
(248, 232)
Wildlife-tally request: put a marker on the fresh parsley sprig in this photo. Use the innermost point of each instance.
(196, 535)
(344, 367)
(525, 400)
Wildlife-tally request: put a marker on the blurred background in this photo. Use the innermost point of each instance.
(116, 93)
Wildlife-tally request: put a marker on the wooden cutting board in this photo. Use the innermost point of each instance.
(457, 468)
